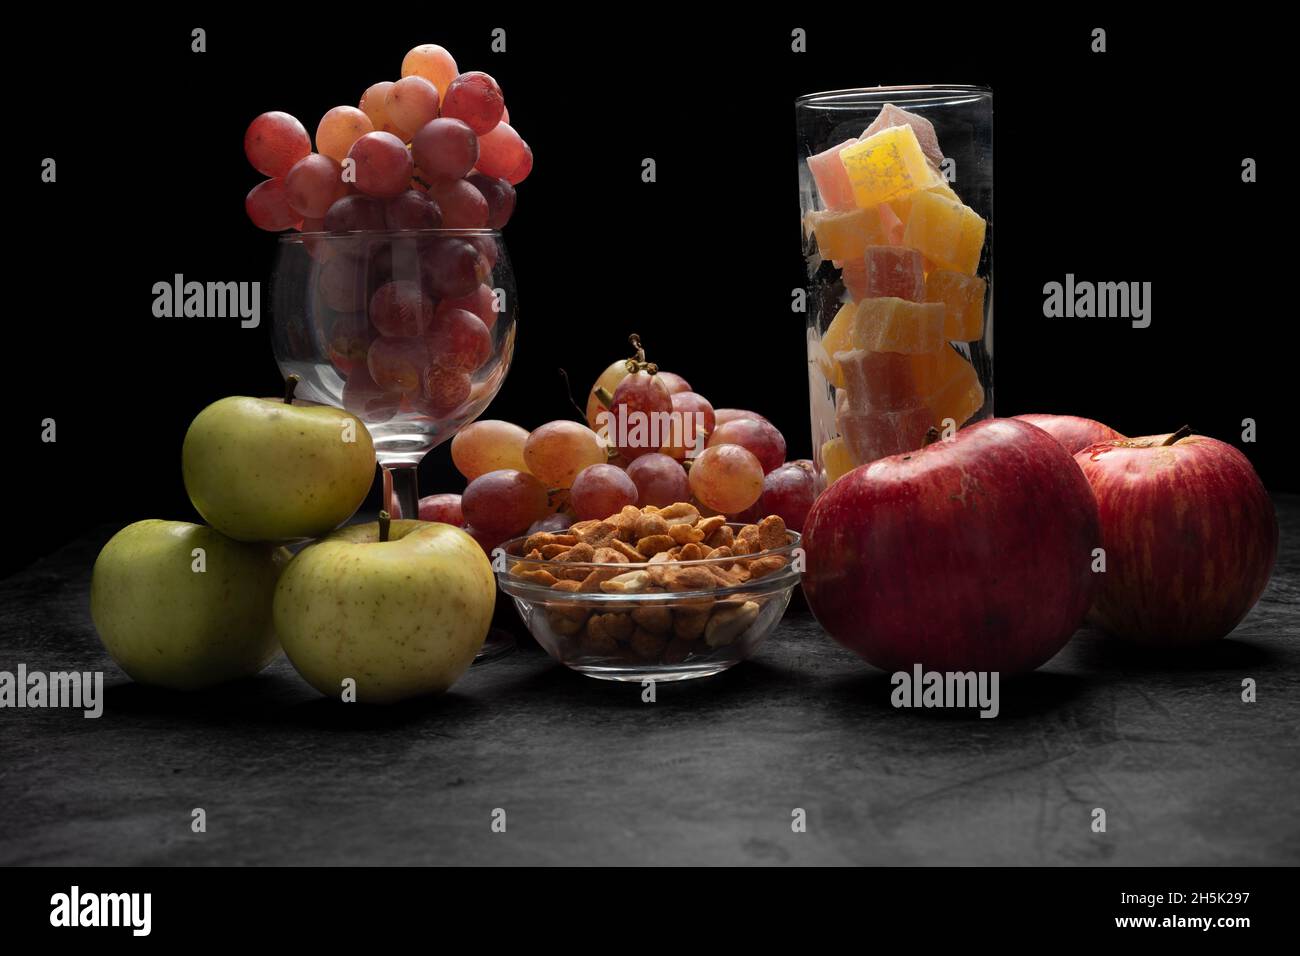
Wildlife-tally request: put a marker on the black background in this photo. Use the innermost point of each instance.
(1122, 166)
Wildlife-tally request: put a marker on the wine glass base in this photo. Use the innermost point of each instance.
(499, 643)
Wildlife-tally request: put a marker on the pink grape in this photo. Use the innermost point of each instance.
(432, 62)
(500, 152)
(640, 405)
(401, 309)
(342, 284)
(482, 302)
(505, 113)
(724, 415)
(313, 185)
(454, 267)
(760, 437)
(675, 383)
(349, 340)
(355, 214)
(488, 445)
(267, 204)
(274, 142)
(374, 103)
(460, 339)
(463, 206)
(660, 481)
(445, 148)
(338, 129)
(727, 478)
(488, 252)
(410, 103)
(504, 502)
(600, 491)
(383, 165)
(558, 450)
(444, 508)
(500, 196)
(412, 210)
(697, 421)
(476, 99)
(446, 387)
(523, 167)
(788, 491)
(551, 524)
(398, 365)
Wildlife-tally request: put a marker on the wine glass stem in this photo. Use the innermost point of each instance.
(401, 483)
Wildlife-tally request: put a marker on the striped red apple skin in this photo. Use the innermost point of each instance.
(1073, 432)
(971, 554)
(1190, 537)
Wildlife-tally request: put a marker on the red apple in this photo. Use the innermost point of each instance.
(1071, 431)
(970, 554)
(1189, 532)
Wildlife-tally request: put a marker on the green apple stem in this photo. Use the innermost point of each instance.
(290, 385)
(1178, 435)
(384, 522)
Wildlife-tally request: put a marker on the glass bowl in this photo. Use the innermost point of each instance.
(658, 633)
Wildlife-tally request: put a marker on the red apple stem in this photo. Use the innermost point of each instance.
(1178, 435)
(931, 436)
(384, 522)
(290, 386)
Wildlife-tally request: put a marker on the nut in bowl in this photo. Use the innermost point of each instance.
(653, 593)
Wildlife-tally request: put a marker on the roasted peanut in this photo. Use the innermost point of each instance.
(728, 623)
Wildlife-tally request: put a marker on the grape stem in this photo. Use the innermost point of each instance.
(290, 385)
(568, 390)
(384, 523)
(637, 363)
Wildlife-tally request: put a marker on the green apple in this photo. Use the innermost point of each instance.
(401, 613)
(260, 469)
(181, 605)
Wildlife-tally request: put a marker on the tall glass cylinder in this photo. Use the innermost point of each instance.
(896, 195)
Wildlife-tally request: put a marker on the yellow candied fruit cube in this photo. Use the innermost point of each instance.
(902, 206)
(836, 459)
(961, 395)
(835, 340)
(889, 324)
(945, 231)
(845, 235)
(962, 297)
(886, 165)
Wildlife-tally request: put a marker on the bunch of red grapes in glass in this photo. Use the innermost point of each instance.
(433, 149)
(565, 471)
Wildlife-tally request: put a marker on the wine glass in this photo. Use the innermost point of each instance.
(412, 331)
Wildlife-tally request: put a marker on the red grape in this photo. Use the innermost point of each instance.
(267, 204)
(482, 302)
(363, 398)
(445, 388)
(459, 339)
(523, 167)
(660, 481)
(382, 165)
(487, 445)
(674, 382)
(374, 103)
(500, 196)
(342, 284)
(788, 491)
(727, 478)
(723, 415)
(444, 508)
(398, 365)
(445, 149)
(454, 267)
(412, 210)
(500, 152)
(401, 309)
(504, 502)
(274, 142)
(476, 99)
(410, 103)
(641, 408)
(349, 340)
(433, 63)
(558, 450)
(463, 206)
(760, 437)
(355, 214)
(339, 129)
(313, 185)
(696, 416)
(600, 491)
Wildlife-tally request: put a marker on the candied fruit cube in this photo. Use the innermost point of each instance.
(891, 115)
(886, 165)
(893, 271)
(831, 179)
(961, 395)
(854, 273)
(902, 206)
(891, 324)
(962, 297)
(835, 340)
(836, 459)
(886, 380)
(878, 434)
(945, 231)
(845, 235)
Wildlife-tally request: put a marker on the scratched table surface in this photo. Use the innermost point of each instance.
(712, 772)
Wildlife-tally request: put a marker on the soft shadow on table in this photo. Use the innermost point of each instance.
(1028, 695)
(1109, 654)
